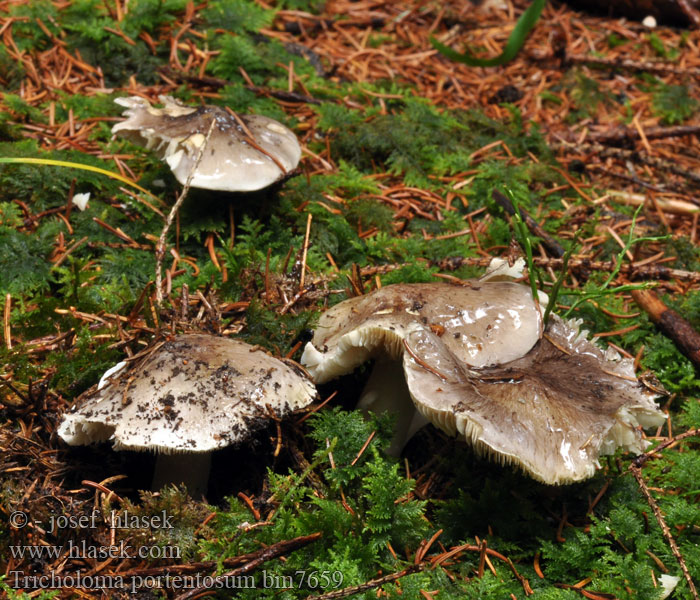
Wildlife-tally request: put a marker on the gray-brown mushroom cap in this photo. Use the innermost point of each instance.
(483, 324)
(478, 364)
(229, 162)
(195, 393)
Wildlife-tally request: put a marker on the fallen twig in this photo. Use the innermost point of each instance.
(637, 474)
(642, 458)
(672, 324)
(209, 565)
(622, 134)
(256, 559)
(486, 551)
(374, 583)
(637, 272)
(548, 241)
(217, 83)
(620, 153)
(160, 247)
(615, 63)
(630, 270)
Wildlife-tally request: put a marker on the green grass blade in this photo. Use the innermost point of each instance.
(516, 40)
(84, 167)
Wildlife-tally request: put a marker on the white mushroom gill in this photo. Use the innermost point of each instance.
(477, 364)
(232, 162)
(193, 394)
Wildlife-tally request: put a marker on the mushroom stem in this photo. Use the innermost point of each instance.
(386, 390)
(188, 468)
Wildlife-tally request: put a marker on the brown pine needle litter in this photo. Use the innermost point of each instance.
(593, 87)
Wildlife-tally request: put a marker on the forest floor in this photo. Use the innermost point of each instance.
(410, 165)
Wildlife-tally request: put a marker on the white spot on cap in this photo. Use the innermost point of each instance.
(277, 128)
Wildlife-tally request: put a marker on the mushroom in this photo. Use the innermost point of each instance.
(244, 153)
(184, 399)
(482, 329)
(477, 363)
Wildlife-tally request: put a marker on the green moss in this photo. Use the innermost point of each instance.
(586, 95)
(277, 333)
(24, 268)
(12, 594)
(670, 54)
(416, 139)
(673, 369)
(673, 103)
(236, 16)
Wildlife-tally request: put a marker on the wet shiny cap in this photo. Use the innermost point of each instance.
(231, 162)
(480, 324)
(195, 393)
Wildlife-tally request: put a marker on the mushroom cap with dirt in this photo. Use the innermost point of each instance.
(243, 154)
(478, 363)
(189, 396)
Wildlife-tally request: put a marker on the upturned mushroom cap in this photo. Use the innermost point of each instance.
(195, 393)
(483, 324)
(229, 163)
(552, 412)
(549, 402)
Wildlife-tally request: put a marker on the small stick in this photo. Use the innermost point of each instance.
(671, 323)
(637, 474)
(621, 134)
(184, 302)
(374, 583)
(250, 140)
(19, 394)
(422, 363)
(6, 322)
(100, 487)
(616, 63)
(642, 458)
(314, 409)
(306, 248)
(482, 559)
(364, 447)
(548, 241)
(215, 82)
(292, 302)
(160, 247)
(453, 263)
(249, 503)
(423, 550)
(437, 560)
(690, 11)
(70, 249)
(601, 151)
(265, 555)
(209, 565)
